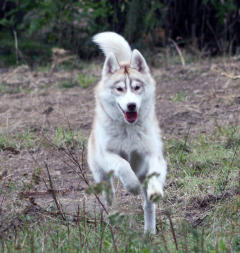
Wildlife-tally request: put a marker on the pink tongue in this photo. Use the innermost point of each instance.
(131, 116)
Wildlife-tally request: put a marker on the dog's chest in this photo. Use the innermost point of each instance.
(127, 140)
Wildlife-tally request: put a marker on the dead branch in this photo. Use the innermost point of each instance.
(224, 73)
(179, 52)
(58, 205)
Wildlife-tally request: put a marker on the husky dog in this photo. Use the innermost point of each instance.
(125, 137)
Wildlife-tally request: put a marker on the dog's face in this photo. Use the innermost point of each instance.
(125, 89)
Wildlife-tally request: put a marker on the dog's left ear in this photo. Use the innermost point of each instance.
(138, 62)
(110, 65)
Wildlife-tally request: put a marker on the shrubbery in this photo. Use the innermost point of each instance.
(209, 26)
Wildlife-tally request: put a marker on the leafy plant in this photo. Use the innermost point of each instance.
(85, 80)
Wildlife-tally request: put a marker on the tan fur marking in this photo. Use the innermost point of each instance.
(92, 138)
(125, 68)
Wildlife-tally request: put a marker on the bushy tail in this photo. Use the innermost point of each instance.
(111, 42)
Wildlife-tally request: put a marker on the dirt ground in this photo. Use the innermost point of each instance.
(192, 99)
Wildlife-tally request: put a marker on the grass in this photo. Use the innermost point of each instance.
(8, 89)
(67, 137)
(82, 80)
(200, 212)
(19, 140)
(207, 164)
(85, 80)
(96, 235)
(67, 84)
(43, 68)
(27, 140)
(178, 97)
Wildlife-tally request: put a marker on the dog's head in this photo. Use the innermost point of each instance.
(125, 89)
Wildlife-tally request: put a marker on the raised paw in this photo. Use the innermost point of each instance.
(154, 189)
(132, 184)
(134, 189)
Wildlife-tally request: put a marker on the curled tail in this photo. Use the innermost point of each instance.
(110, 42)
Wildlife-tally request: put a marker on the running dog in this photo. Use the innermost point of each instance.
(125, 137)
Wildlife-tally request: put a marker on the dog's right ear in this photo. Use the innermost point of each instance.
(138, 62)
(110, 65)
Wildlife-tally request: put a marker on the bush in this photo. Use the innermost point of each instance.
(209, 25)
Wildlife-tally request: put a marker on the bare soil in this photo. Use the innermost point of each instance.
(189, 100)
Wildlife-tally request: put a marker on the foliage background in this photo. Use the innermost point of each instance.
(35, 26)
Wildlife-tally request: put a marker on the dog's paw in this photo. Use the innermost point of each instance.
(134, 189)
(130, 181)
(154, 189)
(133, 185)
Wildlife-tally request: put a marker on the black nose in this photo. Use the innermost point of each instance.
(131, 107)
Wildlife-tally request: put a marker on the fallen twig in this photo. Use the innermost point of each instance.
(224, 73)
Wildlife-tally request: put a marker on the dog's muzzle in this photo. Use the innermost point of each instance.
(130, 115)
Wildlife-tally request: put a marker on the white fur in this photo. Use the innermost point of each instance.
(133, 151)
(111, 42)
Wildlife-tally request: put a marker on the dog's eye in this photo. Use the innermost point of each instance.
(119, 89)
(137, 87)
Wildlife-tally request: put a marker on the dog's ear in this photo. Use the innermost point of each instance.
(138, 62)
(110, 65)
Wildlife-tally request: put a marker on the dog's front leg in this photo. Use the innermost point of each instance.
(149, 214)
(123, 170)
(156, 177)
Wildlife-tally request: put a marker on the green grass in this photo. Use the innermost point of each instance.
(67, 84)
(85, 80)
(19, 140)
(204, 172)
(200, 211)
(67, 137)
(43, 68)
(178, 97)
(207, 163)
(89, 235)
(82, 80)
(9, 89)
(62, 137)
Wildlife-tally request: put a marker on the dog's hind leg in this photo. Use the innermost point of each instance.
(109, 191)
(101, 177)
(149, 214)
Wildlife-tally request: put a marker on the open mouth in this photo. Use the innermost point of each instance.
(129, 116)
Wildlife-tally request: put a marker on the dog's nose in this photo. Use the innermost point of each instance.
(131, 107)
